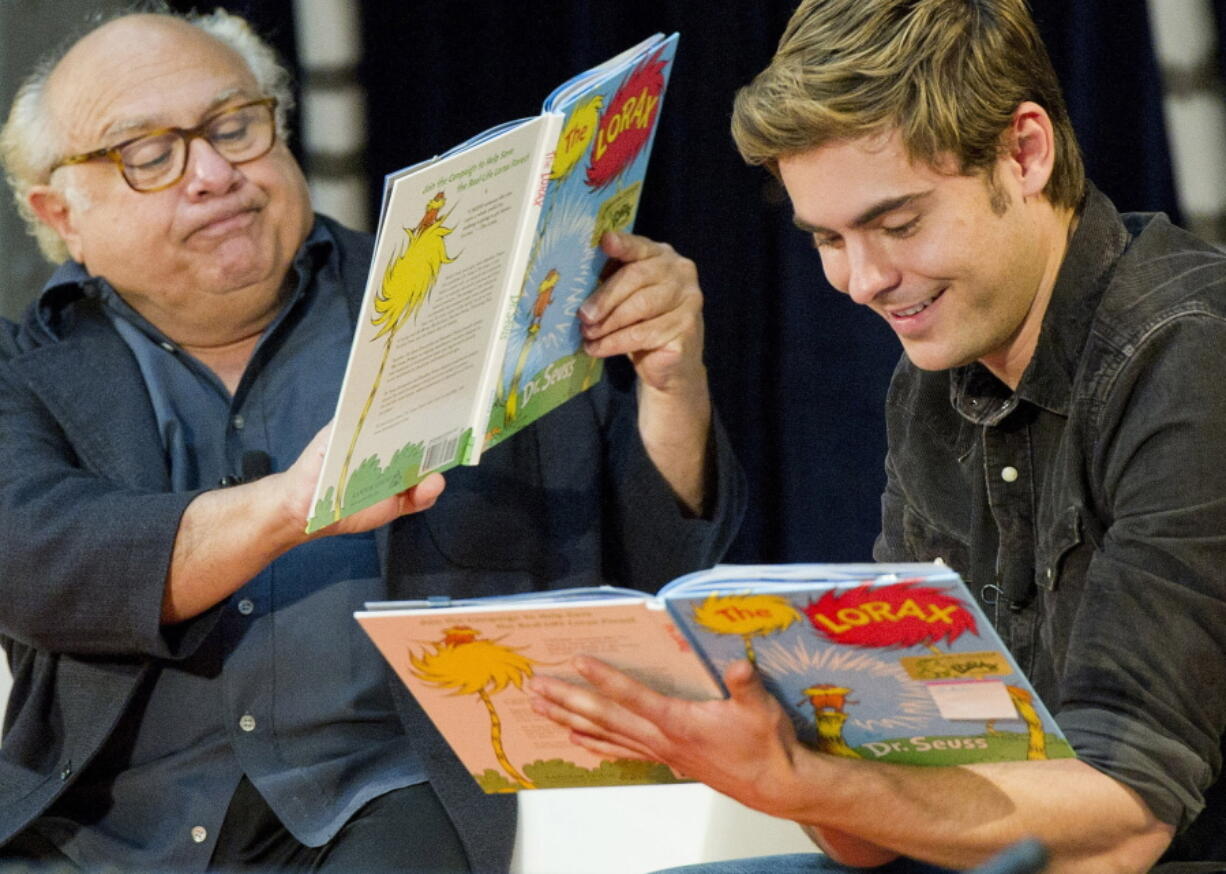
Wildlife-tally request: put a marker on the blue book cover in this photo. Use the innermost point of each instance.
(610, 118)
(891, 663)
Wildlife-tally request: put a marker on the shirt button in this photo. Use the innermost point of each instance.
(199, 834)
(247, 722)
(238, 421)
(167, 345)
(1008, 474)
(245, 606)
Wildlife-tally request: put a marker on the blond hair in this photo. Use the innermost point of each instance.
(29, 146)
(947, 74)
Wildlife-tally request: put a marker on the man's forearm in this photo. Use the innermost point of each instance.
(960, 816)
(225, 538)
(676, 431)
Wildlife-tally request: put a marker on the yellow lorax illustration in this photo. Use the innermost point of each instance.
(406, 284)
(746, 615)
(469, 665)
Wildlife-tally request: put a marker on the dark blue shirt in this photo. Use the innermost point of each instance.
(286, 689)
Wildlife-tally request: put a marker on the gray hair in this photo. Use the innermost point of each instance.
(29, 146)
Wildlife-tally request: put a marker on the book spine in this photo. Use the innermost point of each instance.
(530, 215)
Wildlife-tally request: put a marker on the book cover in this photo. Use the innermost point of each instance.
(611, 114)
(891, 663)
(468, 329)
(467, 665)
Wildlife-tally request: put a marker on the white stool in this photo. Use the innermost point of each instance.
(636, 829)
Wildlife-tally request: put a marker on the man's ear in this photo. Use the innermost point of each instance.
(53, 209)
(1030, 146)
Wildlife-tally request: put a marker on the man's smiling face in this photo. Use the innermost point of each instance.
(952, 264)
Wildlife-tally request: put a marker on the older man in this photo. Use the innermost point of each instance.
(190, 690)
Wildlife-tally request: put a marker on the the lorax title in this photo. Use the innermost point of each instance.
(627, 122)
(896, 615)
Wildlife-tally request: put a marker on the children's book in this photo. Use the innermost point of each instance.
(882, 662)
(469, 327)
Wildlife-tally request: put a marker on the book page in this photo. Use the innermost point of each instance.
(438, 283)
(467, 667)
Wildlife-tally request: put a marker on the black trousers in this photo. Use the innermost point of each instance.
(406, 830)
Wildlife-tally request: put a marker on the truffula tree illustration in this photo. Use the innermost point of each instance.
(407, 281)
(470, 665)
(1036, 738)
(746, 616)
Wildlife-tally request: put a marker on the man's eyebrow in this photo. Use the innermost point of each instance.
(135, 125)
(878, 209)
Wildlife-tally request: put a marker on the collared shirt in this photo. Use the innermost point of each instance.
(1088, 508)
(286, 688)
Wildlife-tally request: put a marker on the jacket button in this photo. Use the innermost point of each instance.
(66, 771)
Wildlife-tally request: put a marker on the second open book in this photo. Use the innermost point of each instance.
(469, 326)
(887, 663)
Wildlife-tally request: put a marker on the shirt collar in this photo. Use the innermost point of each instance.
(1096, 245)
(71, 282)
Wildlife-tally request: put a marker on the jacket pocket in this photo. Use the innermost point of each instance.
(1058, 550)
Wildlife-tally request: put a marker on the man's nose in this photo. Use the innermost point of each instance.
(207, 171)
(869, 272)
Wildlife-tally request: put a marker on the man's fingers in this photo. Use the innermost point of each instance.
(608, 750)
(630, 694)
(589, 734)
(423, 495)
(619, 710)
(652, 334)
(645, 266)
(629, 247)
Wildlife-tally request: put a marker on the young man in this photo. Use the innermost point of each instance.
(190, 689)
(1055, 434)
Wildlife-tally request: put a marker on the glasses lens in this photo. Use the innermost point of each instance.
(153, 160)
(242, 134)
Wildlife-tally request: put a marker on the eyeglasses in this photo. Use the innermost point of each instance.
(158, 159)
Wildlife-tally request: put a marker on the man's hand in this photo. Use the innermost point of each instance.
(861, 813)
(741, 746)
(227, 536)
(650, 309)
(303, 476)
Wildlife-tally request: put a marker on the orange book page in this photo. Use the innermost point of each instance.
(467, 667)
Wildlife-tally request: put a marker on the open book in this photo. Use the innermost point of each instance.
(469, 330)
(889, 663)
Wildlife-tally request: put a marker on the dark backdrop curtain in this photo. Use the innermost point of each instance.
(799, 373)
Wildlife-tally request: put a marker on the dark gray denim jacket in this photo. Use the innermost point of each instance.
(1088, 508)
